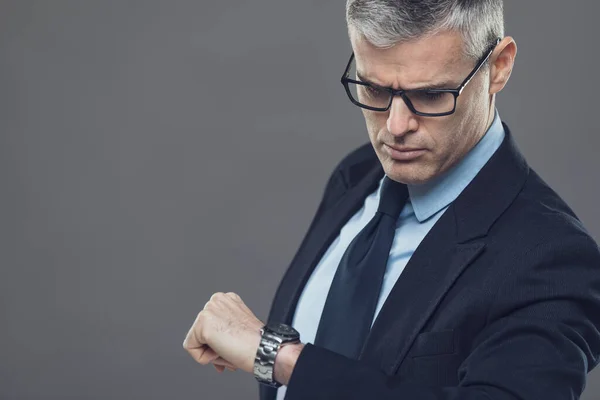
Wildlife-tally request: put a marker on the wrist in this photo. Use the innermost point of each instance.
(286, 361)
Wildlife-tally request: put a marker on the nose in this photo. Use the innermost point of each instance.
(400, 119)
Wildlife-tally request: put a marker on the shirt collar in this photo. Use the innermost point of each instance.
(429, 198)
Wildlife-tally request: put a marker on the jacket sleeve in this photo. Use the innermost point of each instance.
(541, 339)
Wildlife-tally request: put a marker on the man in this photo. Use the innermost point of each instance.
(439, 265)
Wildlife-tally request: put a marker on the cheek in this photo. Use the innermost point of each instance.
(375, 122)
(438, 132)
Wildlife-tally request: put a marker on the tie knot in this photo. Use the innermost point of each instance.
(393, 197)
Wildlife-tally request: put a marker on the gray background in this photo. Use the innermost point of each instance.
(155, 152)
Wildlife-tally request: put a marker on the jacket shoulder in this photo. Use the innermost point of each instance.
(355, 165)
(349, 172)
(540, 215)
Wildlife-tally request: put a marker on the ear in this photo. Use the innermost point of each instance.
(501, 64)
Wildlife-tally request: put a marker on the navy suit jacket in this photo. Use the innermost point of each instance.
(501, 300)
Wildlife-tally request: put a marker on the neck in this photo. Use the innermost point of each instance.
(491, 113)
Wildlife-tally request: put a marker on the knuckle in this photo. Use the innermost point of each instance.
(216, 296)
(203, 326)
(201, 317)
(233, 295)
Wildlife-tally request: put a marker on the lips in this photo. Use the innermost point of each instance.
(403, 153)
(404, 149)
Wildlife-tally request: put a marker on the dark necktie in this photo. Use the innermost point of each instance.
(354, 293)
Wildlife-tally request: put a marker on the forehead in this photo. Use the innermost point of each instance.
(422, 62)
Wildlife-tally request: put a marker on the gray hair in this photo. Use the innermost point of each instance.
(385, 23)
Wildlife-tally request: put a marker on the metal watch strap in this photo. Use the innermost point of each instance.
(266, 354)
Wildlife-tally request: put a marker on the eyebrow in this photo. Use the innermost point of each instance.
(439, 85)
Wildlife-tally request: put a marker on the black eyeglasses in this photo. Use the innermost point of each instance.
(423, 102)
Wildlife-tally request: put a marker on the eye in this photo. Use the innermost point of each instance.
(373, 91)
(432, 96)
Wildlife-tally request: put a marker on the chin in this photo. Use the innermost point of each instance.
(410, 173)
(407, 175)
(408, 180)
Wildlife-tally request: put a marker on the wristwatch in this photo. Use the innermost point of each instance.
(274, 336)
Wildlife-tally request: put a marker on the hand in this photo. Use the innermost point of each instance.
(225, 333)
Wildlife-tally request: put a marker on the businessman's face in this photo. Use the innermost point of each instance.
(439, 142)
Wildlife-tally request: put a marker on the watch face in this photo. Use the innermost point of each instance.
(283, 330)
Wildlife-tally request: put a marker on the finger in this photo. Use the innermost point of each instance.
(208, 356)
(197, 353)
(203, 355)
(220, 368)
(224, 363)
(191, 340)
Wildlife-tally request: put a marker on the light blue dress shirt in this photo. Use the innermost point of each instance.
(426, 204)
